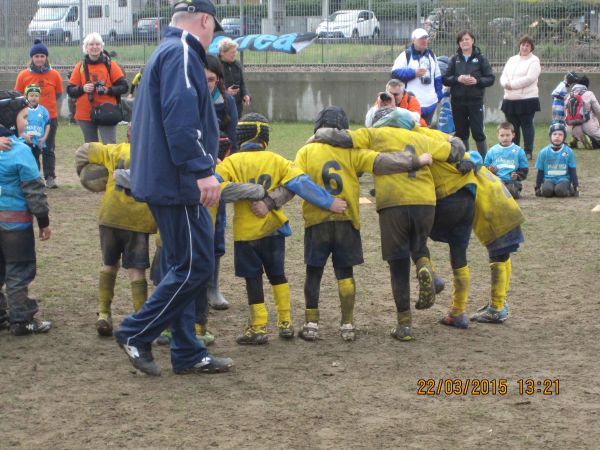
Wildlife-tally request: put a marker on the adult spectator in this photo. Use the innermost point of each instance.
(590, 111)
(521, 100)
(51, 85)
(468, 74)
(397, 96)
(94, 81)
(224, 103)
(233, 74)
(418, 68)
(173, 153)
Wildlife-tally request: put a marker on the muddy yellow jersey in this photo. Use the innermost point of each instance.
(335, 169)
(496, 211)
(446, 177)
(262, 167)
(118, 209)
(410, 188)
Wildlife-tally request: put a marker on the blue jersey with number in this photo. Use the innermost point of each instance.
(37, 120)
(556, 163)
(506, 160)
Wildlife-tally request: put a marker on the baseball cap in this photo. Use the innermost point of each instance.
(196, 6)
(419, 33)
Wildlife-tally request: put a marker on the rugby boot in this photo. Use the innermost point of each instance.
(32, 327)
(491, 315)
(403, 329)
(208, 364)
(286, 330)
(104, 324)
(426, 285)
(253, 336)
(457, 321)
(348, 332)
(215, 298)
(141, 358)
(204, 335)
(309, 331)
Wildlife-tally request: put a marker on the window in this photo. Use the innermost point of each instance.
(122, 3)
(106, 11)
(94, 12)
(73, 14)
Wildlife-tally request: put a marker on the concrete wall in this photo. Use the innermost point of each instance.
(298, 96)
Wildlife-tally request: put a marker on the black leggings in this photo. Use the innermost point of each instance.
(312, 284)
(400, 274)
(525, 122)
(254, 287)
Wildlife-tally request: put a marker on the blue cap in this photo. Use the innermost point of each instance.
(196, 6)
(38, 48)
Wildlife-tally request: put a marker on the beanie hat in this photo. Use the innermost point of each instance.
(11, 103)
(331, 117)
(32, 88)
(38, 48)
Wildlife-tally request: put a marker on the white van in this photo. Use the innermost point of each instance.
(59, 20)
(350, 23)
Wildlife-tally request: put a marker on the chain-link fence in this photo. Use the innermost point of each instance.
(350, 32)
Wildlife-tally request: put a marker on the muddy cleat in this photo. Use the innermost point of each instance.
(204, 335)
(164, 338)
(348, 332)
(253, 336)
(426, 288)
(286, 330)
(141, 358)
(309, 331)
(402, 333)
(104, 325)
(208, 364)
(32, 327)
(490, 315)
(51, 183)
(458, 321)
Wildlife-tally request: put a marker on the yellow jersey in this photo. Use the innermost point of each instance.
(262, 167)
(496, 211)
(335, 170)
(410, 188)
(118, 209)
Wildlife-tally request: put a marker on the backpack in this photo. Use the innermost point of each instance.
(575, 113)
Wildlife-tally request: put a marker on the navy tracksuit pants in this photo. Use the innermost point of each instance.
(188, 251)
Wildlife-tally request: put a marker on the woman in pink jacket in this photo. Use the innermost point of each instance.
(521, 99)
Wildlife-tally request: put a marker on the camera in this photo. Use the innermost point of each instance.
(385, 97)
(100, 87)
(426, 79)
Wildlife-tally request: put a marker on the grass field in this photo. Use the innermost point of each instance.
(71, 389)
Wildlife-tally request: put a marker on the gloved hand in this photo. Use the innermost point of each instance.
(466, 165)
(538, 191)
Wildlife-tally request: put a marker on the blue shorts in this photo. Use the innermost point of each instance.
(250, 257)
(506, 244)
(336, 238)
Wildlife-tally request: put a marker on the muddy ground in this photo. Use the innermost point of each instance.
(71, 389)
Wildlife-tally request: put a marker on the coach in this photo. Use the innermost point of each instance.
(173, 152)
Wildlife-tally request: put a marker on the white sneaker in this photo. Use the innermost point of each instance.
(348, 332)
(310, 331)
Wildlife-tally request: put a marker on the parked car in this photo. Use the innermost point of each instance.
(351, 23)
(447, 22)
(231, 25)
(150, 28)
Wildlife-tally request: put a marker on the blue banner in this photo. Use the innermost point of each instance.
(286, 43)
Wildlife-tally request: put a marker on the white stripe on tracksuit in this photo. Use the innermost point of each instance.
(187, 277)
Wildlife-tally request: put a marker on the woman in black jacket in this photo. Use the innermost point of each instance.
(468, 74)
(233, 74)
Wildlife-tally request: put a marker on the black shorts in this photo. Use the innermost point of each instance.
(404, 231)
(338, 238)
(17, 245)
(506, 244)
(454, 219)
(131, 245)
(250, 257)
